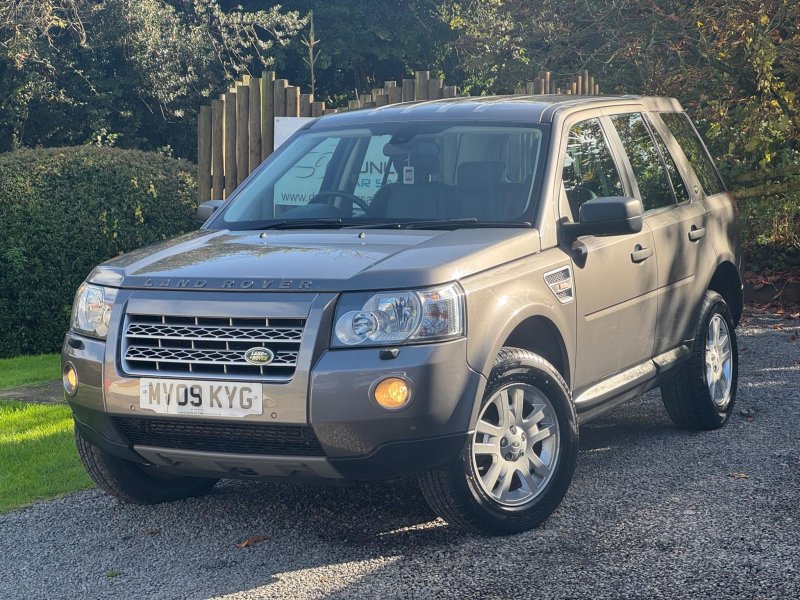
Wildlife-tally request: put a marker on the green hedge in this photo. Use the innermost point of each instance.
(63, 211)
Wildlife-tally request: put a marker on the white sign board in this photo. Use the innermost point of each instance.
(286, 126)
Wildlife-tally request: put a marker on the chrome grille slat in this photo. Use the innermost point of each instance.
(211, 347)
(200, 357)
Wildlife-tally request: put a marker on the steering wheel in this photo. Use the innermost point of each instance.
(337, 194)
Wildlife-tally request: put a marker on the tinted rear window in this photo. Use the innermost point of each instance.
(683, 131)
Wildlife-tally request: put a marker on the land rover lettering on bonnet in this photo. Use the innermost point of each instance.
(444, 290)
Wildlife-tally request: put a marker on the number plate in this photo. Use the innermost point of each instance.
(211, 398)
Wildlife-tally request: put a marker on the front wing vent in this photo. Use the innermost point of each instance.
(560, 283)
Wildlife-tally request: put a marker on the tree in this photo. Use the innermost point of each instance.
(366, 42)
(124, 72)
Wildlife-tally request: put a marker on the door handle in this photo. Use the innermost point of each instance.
(696, 233)
(641, 254)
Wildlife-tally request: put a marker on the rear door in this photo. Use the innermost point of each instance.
(615, 276)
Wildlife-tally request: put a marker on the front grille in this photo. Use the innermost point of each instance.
(209, 346)
(239, 438)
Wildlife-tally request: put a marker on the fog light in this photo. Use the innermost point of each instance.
(392, 393)
(70, 378)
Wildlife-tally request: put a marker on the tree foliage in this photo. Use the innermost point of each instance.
(366, 42)
(125, 72)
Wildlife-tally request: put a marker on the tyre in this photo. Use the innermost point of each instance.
(518, 463)
(702, 393)
(133, 483)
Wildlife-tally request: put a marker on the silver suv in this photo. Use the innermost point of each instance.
(444, 289)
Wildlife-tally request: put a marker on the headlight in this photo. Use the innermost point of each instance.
(91, 312)
(407, 316)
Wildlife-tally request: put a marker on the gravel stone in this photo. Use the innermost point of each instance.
(652, 513)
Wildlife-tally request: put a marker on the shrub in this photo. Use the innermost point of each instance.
(63, 211)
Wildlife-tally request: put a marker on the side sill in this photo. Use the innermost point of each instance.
(628, 384)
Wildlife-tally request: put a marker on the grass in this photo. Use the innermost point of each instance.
(22, 370)
(37, 454)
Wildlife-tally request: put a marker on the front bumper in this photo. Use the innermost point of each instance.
(356, 438)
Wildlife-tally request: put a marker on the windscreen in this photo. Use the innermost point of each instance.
(395, 173)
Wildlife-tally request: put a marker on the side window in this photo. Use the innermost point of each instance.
(678, 186)
(691, 144)
(374, 168)
(651, 176)
(589, 170)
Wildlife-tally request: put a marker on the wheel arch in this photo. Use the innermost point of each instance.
(539, 335)
(727, 282)
(535, 332)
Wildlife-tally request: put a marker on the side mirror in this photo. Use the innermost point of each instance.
(206, 209)
(612, 215)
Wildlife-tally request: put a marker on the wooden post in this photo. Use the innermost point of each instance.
(279, 97)
(305, 104)
(381, 99)
(353, 104)
(395, 95)
(421, 85)
(230, 143)
(292, 101)
(591, 85)
(204, 154)
(317, 109)
(408, 90)
(242, 133)
(579, 84)
(434, 88)
(547, 76)
(449, 91)
(254, 119)
(217, 149)
(267, 114)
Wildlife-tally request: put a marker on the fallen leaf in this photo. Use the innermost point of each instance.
(747, 412)
(777, 326)
(150, 532)
(793, 337)
(739, 475)
(252, 541)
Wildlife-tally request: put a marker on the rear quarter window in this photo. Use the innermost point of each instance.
(682, 130)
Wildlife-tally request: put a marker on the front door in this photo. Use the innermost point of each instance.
(616, 276)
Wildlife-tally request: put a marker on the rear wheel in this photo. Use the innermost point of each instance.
(703, 391)
(133, 483)
(519, 462)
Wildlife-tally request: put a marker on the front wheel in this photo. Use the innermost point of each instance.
(519, 461)
(133, 483)
(703, 391)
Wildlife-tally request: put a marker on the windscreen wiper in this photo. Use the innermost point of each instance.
(442, 224)
(303, 224)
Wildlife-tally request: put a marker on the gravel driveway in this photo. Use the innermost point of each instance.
(653, 513)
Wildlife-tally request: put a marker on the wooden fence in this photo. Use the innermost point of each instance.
(236, 132)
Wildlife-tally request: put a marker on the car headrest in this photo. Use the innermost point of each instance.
(422, 155)
(480, 174)
(418, 147)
